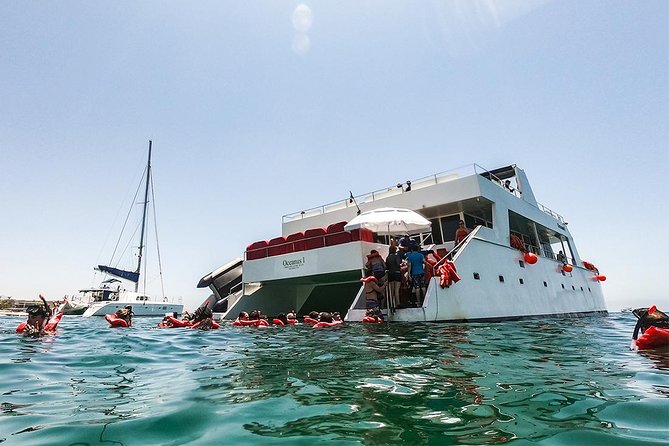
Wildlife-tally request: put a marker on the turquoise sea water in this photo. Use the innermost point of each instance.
(546, 382)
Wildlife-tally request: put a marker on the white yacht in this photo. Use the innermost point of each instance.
(315, 264)
(110, 295)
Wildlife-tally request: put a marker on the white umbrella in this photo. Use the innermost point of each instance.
(390, 221)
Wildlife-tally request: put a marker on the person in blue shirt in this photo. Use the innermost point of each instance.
(417, 265)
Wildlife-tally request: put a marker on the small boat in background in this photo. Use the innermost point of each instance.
(72, 308)
(653, 325)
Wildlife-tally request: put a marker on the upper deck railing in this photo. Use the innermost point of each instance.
(553, 214)
(442, 177)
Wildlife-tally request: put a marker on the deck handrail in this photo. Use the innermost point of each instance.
(355, 200)
(472, 169)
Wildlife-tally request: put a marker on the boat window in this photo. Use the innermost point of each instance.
(449, 225)
(524, 228)
(472, 221)
(475, 212)
(437, 237)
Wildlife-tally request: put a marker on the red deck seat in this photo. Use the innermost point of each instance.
(256, 250)
(278, 246)
(363, 235)
(336, 234)
(298, 241)
(314, 238)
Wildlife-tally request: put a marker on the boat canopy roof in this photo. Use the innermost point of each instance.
(501, 173)
(132, 276)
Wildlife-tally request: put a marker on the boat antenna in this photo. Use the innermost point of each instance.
(146, 202)
(353, 200)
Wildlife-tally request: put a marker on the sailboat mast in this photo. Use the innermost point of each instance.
(146, 202)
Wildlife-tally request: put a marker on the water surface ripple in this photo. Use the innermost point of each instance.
(546, 382)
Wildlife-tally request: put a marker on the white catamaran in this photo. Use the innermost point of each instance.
(517, 258)
(110, 295)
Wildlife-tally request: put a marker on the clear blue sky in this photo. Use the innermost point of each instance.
(258, 109)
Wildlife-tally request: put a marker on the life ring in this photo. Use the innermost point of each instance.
(590, 266)
(50, 326)
(326, 324)
(292, 321)
(530, 258)
(53, 322)
(310, 321)
(517, 243)
(115, 321)
(369, 279)
(278, 322)
(371, 320)
(448, 273)
(250, 323)
(177, 322)
(214, 325)
(653, 337)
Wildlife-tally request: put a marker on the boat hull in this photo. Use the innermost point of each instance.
(143, 309)
(73, 310)
(496, 284)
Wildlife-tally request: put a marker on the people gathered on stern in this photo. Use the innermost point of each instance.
(394, 265)
(375, 264)
(417, 265)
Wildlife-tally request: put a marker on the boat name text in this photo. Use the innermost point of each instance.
(294, 264)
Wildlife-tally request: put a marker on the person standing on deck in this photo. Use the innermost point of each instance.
(461, 233)
(374, 291)
(417, 265)
(394, 265)
(375, 264)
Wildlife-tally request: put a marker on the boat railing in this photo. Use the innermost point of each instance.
(456, 249)
(233, 295)
(553, 214)
(400, 188)
(410, 185)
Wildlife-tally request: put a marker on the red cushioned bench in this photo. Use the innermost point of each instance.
(297, 239)
(314, 238)
(256, 250)
(278, 246)
(336, 234)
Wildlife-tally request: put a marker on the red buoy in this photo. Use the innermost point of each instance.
(530, 258)
(600, 277)
(567, 268)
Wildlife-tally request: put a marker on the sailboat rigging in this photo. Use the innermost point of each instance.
(133, 276)
(110, 295)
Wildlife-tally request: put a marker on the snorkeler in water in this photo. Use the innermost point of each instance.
(38, 316)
